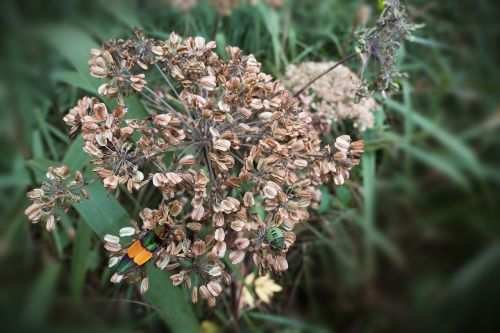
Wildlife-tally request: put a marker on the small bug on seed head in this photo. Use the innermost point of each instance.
(275, 237)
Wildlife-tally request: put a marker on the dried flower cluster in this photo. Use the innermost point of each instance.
(332, 98)
(232, 153)
(381, 44)
(59, 192)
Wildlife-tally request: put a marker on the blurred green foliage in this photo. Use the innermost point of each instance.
(411, 245)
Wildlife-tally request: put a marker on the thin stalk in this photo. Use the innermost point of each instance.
(216, 26)
(165, 77)
(168, 80)
(209, 164)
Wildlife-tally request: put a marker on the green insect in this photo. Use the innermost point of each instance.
(275, 237)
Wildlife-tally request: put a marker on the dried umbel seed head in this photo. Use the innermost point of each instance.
(58, 192)
(221, 140)
(381, 44)
(332, 98)
(238, 138)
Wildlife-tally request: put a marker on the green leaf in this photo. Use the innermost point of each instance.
(445, 166)
(272, 23)
(174, 309)
(324, 204)
(75, 157)
(453, 143)
(368, 168)
(74, 79)
(101, 211)
(74, 45)
(40, 298)
(39, 116)
(39, 167)
(121, 13)
(287, 321)
(79, 260)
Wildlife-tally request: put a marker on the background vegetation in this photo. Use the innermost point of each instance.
(411, 245)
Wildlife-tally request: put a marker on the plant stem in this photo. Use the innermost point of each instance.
(216, 26)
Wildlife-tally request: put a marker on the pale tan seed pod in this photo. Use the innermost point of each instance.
(248, 199)
(194, 226)
(241, 243)
(204, 292)
(226, 277)
(163, 262)
(219, 234)
(214, 287)
(116, 278)
(198, 247)
(219, 249)
(50, 224)
(187, 160)
(194, 295)
(144, 285)
(236, 256)
(175, 208)
(215, 271)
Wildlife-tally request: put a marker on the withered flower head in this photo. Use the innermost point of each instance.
(381, 44)
(233, 155)
(332, 98)
(58, 192)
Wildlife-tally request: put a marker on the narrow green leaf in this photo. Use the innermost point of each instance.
(46, 134)
(453, 143)
(287, 321)
(75, 79)
(446, 167)
(101, 211)
(271, 21)
(75, 157)
(39, 167)
(74, 45)
(79, 260)
(175, 309)
(39, 301)
(324, 204)
(368, 168)
(37, 145)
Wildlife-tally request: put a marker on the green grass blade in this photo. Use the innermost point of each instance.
(75, 157)
(368, 169)
(40, 298)
(79, 260)
(272, 23)
(74, 79)
(175, 309)
(448, 140)
(435, 161)
(39, 167)
(101, 211)
(287, 321)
